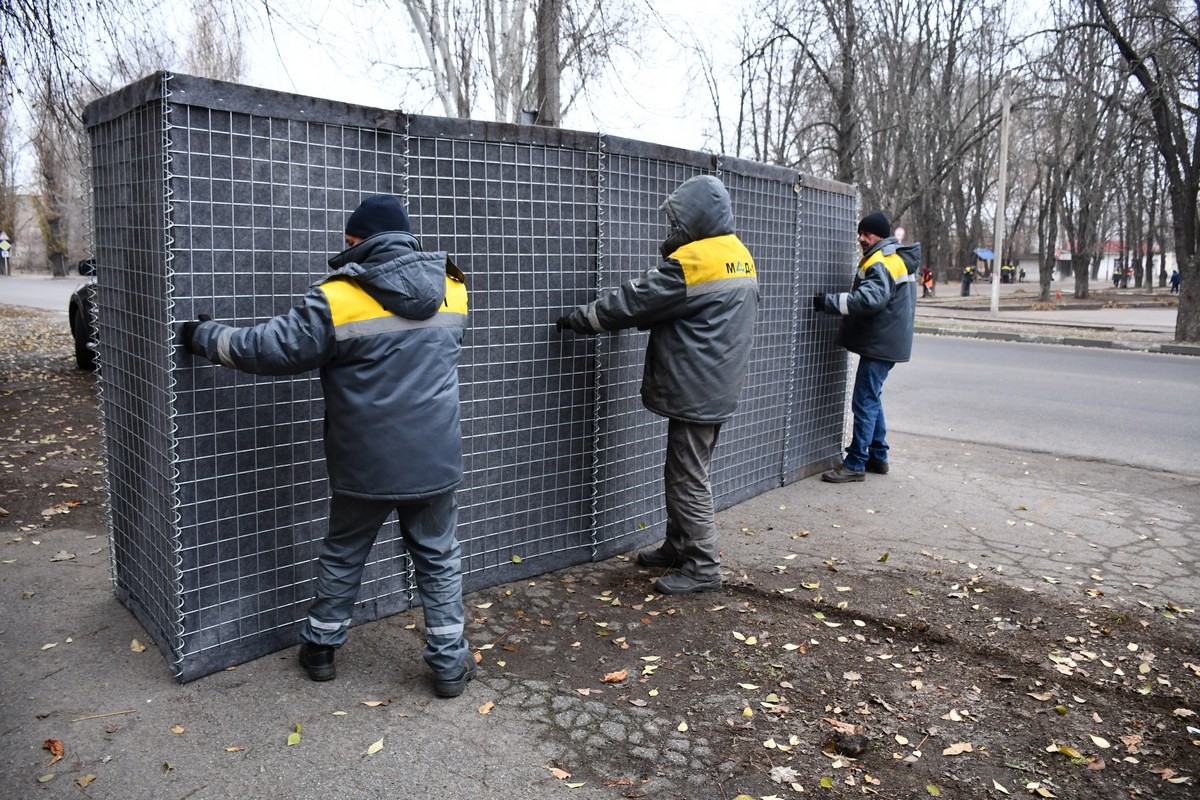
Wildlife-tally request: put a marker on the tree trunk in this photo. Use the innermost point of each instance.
(548, 77)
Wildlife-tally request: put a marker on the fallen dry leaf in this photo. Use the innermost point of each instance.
(615, 677)
(55, 746)
(487, 707)
(958, 748)
(843, 727)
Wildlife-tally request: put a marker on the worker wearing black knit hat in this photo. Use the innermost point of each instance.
(380, 213)
(877, 223)
(877, 323)
(385, 329)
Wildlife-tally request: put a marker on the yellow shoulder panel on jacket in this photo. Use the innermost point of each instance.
(456, 296)
(894, 264)
(715, 259)
(349, 303)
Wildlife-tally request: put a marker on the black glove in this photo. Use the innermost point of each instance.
(576, 321)
(187, 331)
(818, 302)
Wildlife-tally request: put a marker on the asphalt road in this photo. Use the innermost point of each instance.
(1123, 407)
(50, 294)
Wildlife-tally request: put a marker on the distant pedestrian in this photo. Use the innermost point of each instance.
(1174, 281)
(877, 323)
(1116, 279)
(926, 281)
(967, 278)
(1021, 276)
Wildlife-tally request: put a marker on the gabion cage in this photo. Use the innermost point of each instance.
(210, 197)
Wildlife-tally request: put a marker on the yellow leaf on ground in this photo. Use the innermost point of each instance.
(561, 774)
(615, 677)
(958, 748)
(137, 646)
(85, 781)
(487, 707)
(683, 726)
(375, 748)
(177, 729)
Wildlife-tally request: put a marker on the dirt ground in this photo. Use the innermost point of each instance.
(830, 681)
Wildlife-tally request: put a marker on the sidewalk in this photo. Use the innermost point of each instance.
(1125, 319)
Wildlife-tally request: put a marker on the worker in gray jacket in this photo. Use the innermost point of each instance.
(877, 314)
(699, 304)
(385, 330)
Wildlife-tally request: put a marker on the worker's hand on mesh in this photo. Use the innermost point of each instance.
(187, 331)
(576, 321)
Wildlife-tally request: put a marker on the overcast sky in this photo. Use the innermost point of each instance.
(656, 96)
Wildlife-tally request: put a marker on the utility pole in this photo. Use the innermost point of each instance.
(1000, 189)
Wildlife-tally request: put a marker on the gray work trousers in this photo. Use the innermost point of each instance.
(428, 529)
(691, 523)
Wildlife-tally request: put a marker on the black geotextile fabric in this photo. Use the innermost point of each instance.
(216, 198)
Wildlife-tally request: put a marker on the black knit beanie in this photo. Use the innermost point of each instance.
(376, 214)
(876, 223)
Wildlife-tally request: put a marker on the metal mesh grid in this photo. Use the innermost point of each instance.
(630, 440)
(748, 459)
(132, 309)
(820, 393)
(245, 195)
(256, 202)
(519, 217)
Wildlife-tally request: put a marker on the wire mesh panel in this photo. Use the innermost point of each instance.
(630, 440)
(228, 200)
(748, 458)
(516, 209)
(819, 397)
(132, 311)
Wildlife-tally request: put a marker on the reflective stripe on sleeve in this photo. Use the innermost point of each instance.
(224, 352)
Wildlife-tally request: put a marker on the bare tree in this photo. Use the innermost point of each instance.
(57, 152)
(215, 48)
(474, 46)
(8, 174)
(1159, 41)
(71, 53)
(1088, 100)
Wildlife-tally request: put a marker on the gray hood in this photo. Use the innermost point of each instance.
(392, 268)
(699, 209)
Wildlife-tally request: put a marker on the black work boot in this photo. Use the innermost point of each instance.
(657, 559)
(453, 687)
(842, 475)
(877, 466)
(318, 660)
(676, 582)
